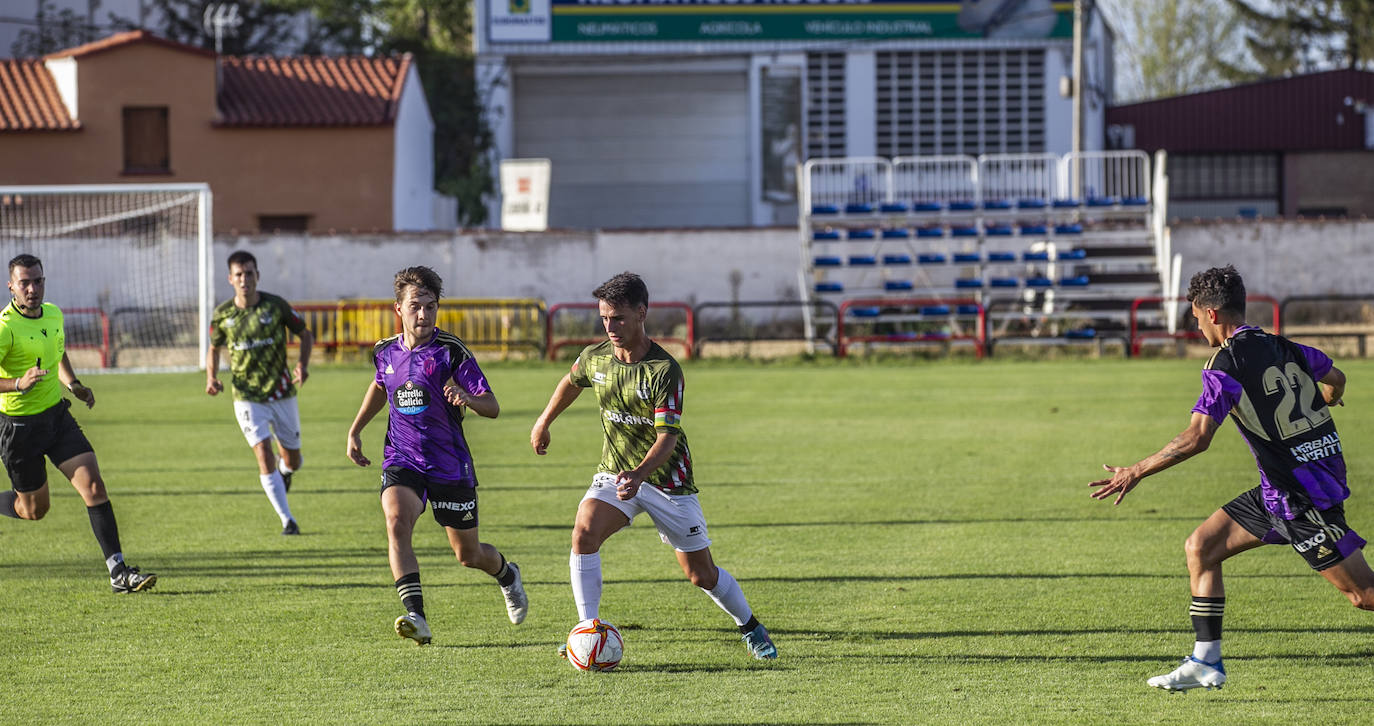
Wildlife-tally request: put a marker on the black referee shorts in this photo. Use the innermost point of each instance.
(25, 440)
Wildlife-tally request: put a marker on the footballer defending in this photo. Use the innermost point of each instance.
(645, 464)
(428, 377)
(1279, 394)
(253, 326)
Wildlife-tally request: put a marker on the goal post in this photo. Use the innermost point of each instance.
(129, 264)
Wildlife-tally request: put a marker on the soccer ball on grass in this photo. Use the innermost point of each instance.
(595, 645)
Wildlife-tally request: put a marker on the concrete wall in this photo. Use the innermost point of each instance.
(1283, 258)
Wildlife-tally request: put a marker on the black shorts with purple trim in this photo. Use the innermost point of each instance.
(1319, 535)
(454, 502)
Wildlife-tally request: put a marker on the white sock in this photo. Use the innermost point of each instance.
(1207, 651)
(276, 493)
(114, 561)
(586, 583)
(730, 597)
(282, 467)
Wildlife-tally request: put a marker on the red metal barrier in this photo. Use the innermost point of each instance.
(842, 342)
(104, 345)
(554, 344)
(1139, 336)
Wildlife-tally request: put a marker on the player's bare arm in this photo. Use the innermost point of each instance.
(563, 396)
(628, 482)
(1333, 387)
(302, 371)
(484, 405)
(67, 375)
(1191, 441)
(213, 385)
(374, 398)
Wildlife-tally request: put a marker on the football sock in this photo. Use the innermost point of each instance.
(106, 532)
(505, 576)
(276, 493)
(7, 504)
(114, 562)
(586, 583)
(749, 626)
(283, 468)
(408, 587)
(1206, 613)
(730, 597)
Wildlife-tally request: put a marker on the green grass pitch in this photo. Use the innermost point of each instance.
(917, 536)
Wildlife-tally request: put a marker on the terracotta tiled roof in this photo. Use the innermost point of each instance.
(29, 100)
(311, 91)
(119, 39)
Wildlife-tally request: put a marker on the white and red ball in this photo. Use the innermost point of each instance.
(595, 645)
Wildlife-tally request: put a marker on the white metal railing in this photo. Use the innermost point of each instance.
(842, 182)
(939, 179)
(1118, 175)
(1018, 176)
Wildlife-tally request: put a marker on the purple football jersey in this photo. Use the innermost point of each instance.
(424, 432)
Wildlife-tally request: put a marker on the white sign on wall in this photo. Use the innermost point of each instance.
(519, 21)
(525, 194)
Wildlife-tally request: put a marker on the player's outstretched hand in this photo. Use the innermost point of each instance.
(355, 451)
(1123, 480)
(539, 439)
(83, 394)
(299, 375)
(213, 386)
(627, 485)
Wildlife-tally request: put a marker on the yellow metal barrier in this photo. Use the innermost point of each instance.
(491, 325)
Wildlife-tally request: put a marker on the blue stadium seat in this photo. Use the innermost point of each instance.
(1030, 203)
(892, 208)
(1003, 282)
(926, 207)
(824, 209)
(1038, 256)
(931, 258)
(1134, 202)
(1081, 334)
(1068, 229)
(1001, 257)
(1103, 201)
(1039, 282)
(862, 260)
(967, 257)
(963, 231)
(828, 262)
(935, 310)
(968, 282)
(1072, 254)
(862, 234)
(962, 206)
(967, 309)
(858, 208)
(929, 232)
(822, 235)
(865, 312)
(897, 259)
(1079, 281)
(898, 285)
(996, 204)
(1066, 204)
(829, 286)
(1030, 230)
(999, 230)
(898, 233)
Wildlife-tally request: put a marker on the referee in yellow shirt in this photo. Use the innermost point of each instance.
(36, 420)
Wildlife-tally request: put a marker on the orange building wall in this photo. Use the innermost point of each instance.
(341, 177)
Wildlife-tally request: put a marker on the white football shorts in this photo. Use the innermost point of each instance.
(677, 517)
(261, 421)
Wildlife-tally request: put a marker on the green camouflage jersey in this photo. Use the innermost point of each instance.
(256, 338)
(638, 402)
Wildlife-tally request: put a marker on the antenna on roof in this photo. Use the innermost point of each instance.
(221, 19)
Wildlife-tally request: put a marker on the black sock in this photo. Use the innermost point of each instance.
(408, 587)
(504, 575)
(7, 504)
(106, 531)
(1206, 612)
(753, 623)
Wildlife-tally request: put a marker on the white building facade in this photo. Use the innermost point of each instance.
(696, 113)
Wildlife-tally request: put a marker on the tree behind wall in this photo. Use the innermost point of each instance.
(1286, 37)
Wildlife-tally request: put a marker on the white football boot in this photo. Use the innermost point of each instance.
(413, 626)
(517, 603)
(1192, 674)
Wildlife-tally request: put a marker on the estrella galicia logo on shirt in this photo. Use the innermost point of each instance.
(410, 400)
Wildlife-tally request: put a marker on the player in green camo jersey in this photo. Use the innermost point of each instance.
(253, 326)
(639, 389)
(36, 421)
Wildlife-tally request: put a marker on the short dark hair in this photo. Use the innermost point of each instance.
(421, 277)
(1219, 288)
(627, 288)
(241, 258)
(25, 260)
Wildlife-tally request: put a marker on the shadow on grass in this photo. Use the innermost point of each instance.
(843, 635)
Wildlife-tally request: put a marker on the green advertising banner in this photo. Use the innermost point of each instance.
(736, 20)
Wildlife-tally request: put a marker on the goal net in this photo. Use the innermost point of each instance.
(128, 264)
